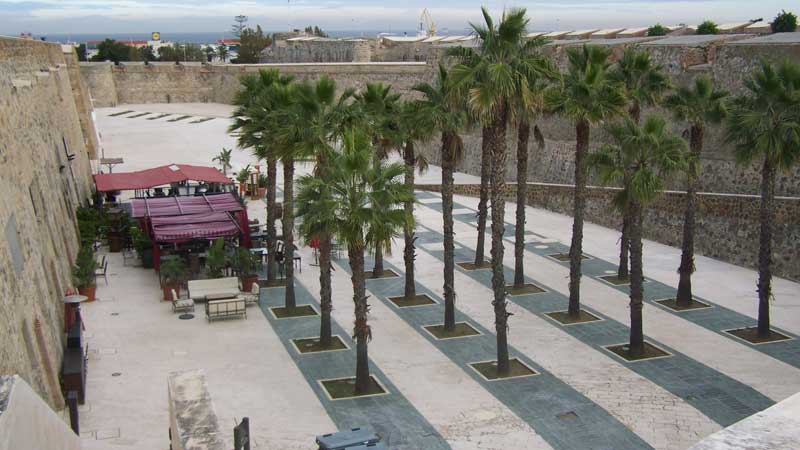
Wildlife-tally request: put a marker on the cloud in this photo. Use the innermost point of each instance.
(54, 15)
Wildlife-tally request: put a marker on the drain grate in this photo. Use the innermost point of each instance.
(186, 316)
(116, 374)
(569, 415)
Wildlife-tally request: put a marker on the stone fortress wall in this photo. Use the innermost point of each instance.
(44, 118)
(727, 59)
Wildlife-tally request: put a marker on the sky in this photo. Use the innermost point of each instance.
(133, 16)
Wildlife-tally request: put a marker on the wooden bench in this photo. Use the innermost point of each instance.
(232, 307)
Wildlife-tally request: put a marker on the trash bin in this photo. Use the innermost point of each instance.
(343, 440)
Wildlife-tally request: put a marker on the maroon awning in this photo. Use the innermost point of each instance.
(177, 206)
(158, 176)
(194, 226)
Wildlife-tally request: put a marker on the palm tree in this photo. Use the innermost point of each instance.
(639, 158)
(222, 52)
(765, 125)
(380, 107)
(311, 126)
(494, 81)
(410, 130)
(253, 122)
(224, 160)
(698, 104)
(352, 186)
(527, 107)
(443, 113)
(587, 96)
(644, 83)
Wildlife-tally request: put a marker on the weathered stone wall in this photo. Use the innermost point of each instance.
(181, 83)
(40, 125)
(100, 80)
(727, 59)
(317, 50)
(727, 225)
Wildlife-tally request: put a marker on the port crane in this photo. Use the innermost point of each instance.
(427, 27)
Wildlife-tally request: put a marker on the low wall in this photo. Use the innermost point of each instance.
(192, 419)
(111, 85)
(27, 422)
(727, 225)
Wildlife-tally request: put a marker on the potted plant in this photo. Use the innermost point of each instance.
(242, 176)
(83, 272)
(89, 224)
(173, 272)
(245, 264)
(118, 224)
(215, 261)
(263, 181)
(143, 245)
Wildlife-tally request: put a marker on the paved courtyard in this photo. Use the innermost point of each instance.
(582, 396)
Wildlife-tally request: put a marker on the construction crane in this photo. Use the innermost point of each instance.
(426, 25)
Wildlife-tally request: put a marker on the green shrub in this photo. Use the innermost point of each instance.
(657, 30)
(245, 262)
(173, 271)
(215, 262)
(90, 224)
(84, 268)
(708, 27)
(263, 181)
(785, 22)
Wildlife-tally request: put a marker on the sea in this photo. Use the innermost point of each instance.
(209, 37)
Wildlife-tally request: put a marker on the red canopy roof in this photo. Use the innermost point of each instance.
(179, 206)
(158, 176)
(191, 226)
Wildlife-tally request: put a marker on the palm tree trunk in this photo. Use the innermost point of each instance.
(686, 268)
(624, 245)
(272, 173)
(765, 247)
(486, 173)
(636, 343)
(408, 231)
(325, 302)
(377, 269)
(361, 330)
(449, 248)
(288, 231)
(623, 273)
(579, 204)
(523, 133)
(498, 181)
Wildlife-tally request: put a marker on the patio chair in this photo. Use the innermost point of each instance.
(186, 304)
(102, 271)
(252, 296)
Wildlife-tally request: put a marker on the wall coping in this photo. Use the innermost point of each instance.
(611, 188)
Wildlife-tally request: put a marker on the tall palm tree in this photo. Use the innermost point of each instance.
(224, 159)
(493, 81)
(380, 106)
(765, 125)
(443, 113)
(586, 95)
(352, 186)
(644, 83)
(253, 122)
(639, 158)
(313, 127)
(410, 131)
(698, 104)
(527, 107)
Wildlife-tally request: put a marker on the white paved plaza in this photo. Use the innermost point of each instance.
(667, 404)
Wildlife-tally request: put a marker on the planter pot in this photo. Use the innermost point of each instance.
(262, 192)
(167, 290)
(88, 291)
(248, 281)
(115, 242)
(147, 258)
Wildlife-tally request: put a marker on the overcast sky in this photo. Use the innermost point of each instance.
(128, 16)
